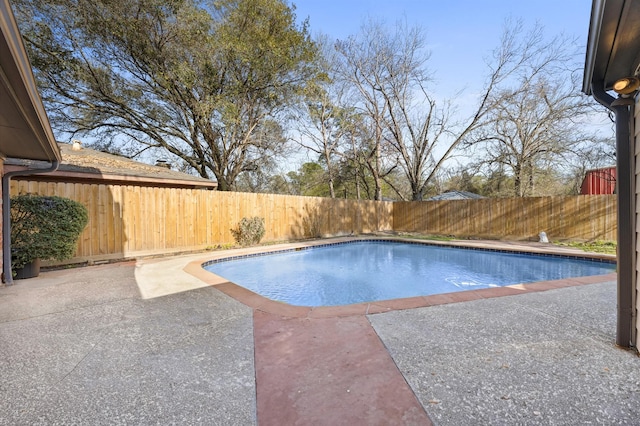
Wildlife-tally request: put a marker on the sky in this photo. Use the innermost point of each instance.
(460, 34)
(462, 21)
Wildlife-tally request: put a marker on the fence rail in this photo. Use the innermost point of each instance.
(129, 221)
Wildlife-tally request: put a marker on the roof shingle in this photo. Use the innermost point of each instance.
(91, 164)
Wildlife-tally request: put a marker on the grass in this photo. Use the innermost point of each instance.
(220, 247)
(607, 247)
(427, 237)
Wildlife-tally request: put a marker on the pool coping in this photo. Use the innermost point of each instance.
(261, 303)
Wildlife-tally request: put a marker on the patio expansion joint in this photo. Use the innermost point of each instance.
(78, 308)
(75, 367)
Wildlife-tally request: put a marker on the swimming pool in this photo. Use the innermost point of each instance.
(368, 271)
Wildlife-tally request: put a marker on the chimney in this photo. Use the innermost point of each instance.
(76, 145)
(163, 163)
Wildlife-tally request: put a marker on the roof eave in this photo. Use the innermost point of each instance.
(611, 52)
(26, 132)
(597, 12)
(113, 178)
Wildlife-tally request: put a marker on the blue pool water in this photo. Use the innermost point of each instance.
(346, 273)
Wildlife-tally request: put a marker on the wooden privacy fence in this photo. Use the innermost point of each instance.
(127, 221)
(582, 217)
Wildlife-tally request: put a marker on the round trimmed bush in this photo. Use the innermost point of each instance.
(44, 227)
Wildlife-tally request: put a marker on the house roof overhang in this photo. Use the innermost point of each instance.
(25, 131)
(612, 47)
(85, 165)
(62, 175)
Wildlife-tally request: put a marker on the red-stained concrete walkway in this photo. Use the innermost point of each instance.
(328, 371)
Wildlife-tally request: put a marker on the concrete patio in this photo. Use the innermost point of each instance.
(112, 344)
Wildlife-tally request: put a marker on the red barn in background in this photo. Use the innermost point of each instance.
(599, 181)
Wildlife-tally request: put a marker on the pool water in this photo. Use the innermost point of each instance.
(346, 273)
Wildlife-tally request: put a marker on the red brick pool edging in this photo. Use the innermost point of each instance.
(258, 302)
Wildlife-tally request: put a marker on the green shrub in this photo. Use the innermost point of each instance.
(249, 231)
(44, 227)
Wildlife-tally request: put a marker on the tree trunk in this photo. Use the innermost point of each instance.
(223, 185)
(376, 174)
(517, 182)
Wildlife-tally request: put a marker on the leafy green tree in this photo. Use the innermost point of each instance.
(205, 82)
(464, 179)
(309, 180)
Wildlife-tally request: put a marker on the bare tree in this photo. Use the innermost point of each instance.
(599, 153)
(321, 119)
(535, 121)
(361, 156)
(359, 67)
(389, 71)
